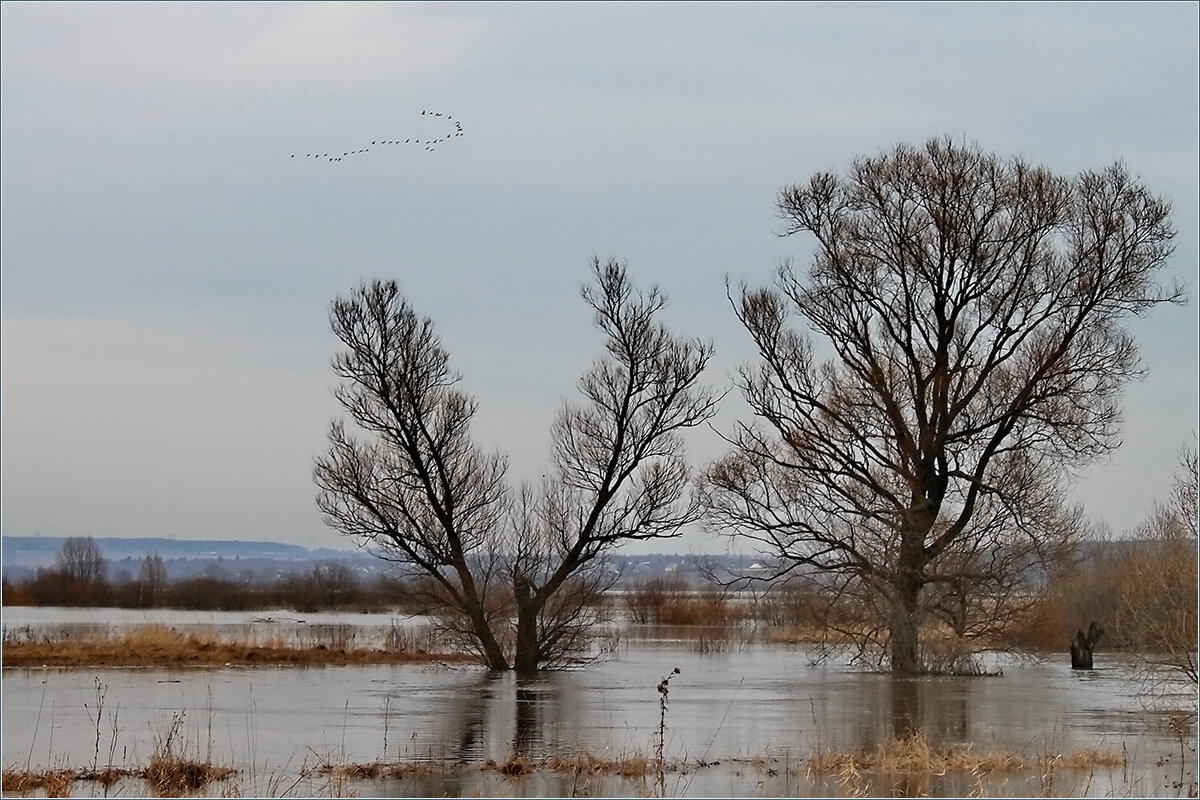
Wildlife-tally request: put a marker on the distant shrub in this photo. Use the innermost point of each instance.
(17, 594)
(671, 600)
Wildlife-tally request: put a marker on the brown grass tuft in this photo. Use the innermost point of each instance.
(377, 769)
(54, 782)
(1084, 759)
(516, 766)
(175, 777)
(633, 766)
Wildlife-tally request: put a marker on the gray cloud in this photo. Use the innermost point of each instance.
(167, 265)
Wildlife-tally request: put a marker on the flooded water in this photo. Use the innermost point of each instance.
(761, 711)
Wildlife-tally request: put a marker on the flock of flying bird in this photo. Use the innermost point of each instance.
(429, 144)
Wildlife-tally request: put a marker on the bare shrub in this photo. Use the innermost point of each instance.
(671, 600)
(646, 599)
(1156, 596)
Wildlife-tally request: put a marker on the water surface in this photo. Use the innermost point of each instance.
(760, 710)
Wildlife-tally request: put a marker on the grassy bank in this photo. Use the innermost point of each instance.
(159, 646)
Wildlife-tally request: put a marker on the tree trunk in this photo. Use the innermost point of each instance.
(1083, 645)
(492, 652)
(904, 628)
(527, 659)
(469, 602)
(905, 656)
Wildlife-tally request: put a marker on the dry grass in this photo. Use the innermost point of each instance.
(54, 782)
(637, 765)
(517, 765)
(913, 755)
(158, 645)
(794, 634)
(166, 776)
(907, 767)
(377, 769)
(814, 634)
(175, 777)
(911, 761)
(1084, 759)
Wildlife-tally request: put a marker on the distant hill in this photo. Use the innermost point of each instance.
(21, 556)
(31, 552)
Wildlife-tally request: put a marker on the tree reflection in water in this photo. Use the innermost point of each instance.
(531, 700)
(498, 715)
(932, 706)
(906, 706)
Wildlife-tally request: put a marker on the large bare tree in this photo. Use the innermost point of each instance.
(972, 311)
(518, 571)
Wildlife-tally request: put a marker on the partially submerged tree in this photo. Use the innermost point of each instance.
(974, 308)
(518, 573)
(419, 489)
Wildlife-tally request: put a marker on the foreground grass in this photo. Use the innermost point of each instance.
(914, 755)
(164, 777)
(908, 756)
(156, 646)
(912, 761)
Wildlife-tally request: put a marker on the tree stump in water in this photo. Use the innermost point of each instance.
(1081, 647)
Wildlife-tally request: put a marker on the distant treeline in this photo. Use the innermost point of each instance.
(81, 578)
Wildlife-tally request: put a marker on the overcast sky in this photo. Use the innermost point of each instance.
(167, 264)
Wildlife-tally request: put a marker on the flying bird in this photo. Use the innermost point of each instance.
(429, 144)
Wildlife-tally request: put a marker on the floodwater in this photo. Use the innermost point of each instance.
(742, 719)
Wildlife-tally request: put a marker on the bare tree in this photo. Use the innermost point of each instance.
(1185, 497)
(518, 573)
(421, 491)
(973, 307)
(619, 469)
(83, 569)
(152, 580)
